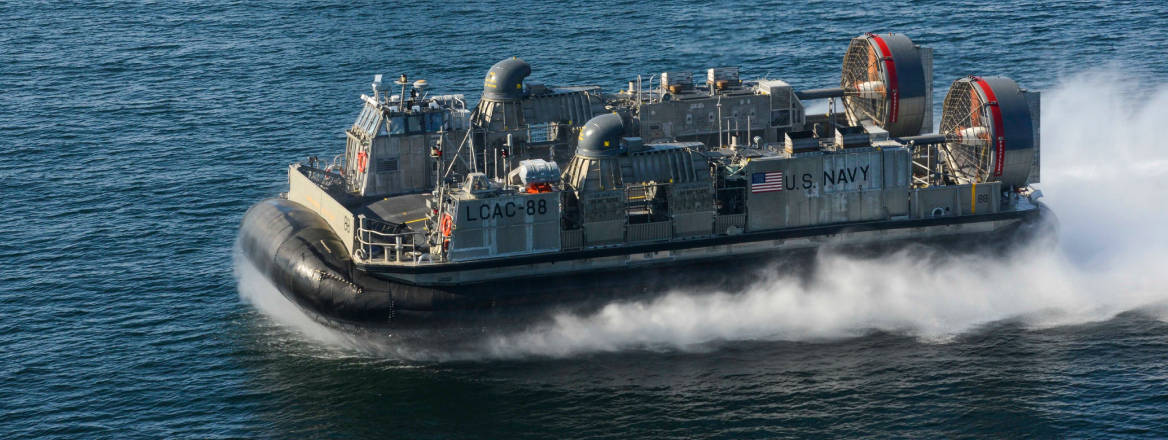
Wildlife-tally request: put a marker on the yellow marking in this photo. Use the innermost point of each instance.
(636, 197)
(973, 199)
(416, 220)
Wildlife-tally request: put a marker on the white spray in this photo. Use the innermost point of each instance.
(1105, 161)
(1104, 166)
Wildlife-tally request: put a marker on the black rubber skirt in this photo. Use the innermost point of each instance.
(297, 250)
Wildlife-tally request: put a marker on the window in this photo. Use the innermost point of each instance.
(397, 125)
(434, 121)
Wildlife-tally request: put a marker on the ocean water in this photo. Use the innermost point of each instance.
(136, 134)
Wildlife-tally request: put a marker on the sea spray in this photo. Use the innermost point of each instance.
(257, 290)
(1104, 170)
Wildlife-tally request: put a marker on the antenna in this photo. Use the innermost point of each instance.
(376, 85)
(402, 81)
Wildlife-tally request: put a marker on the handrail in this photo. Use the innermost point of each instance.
(321, 177)
(395, 247)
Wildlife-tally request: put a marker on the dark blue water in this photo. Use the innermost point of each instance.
(135, 135)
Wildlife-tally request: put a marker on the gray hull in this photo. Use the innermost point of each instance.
(301, 255)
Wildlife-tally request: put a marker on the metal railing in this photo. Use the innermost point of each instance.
(322, 177)
(572, 239)
(377, 246)
(723, 223)
(653, 231)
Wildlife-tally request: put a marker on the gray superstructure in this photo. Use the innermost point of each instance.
(538, 181)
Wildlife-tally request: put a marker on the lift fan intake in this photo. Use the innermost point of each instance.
(884, 80)
(988, 131)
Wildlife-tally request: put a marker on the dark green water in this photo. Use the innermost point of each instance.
(135, 136)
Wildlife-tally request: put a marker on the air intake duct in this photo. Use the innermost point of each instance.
(601, 136)
(505, 79)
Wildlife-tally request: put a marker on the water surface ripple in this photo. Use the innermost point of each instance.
(136, 134)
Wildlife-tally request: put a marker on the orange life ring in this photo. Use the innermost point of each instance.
(446, 225)
(362, 160)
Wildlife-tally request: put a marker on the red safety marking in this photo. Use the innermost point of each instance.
(890, 68)
(996, 112)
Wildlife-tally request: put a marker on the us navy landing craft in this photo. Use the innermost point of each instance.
(543, 194)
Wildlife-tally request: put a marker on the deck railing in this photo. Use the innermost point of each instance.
(376, 246)
(723, 223)
(322, 177)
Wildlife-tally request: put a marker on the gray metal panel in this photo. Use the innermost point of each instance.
(895, 201)
(852, 171)
(396, 164)
(604, 232)
(897, 167)
(936, 201)
(691, 224)
(505, 225)
(696, 118)
(691, 197)
(832, 187)
(603, 206)
(797, 204)
(304, 191)
(984, 198)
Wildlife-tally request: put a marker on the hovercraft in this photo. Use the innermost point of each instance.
(545, 195)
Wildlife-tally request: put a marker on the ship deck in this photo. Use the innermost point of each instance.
(407, 209)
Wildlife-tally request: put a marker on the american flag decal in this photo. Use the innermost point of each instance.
(769, 181)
